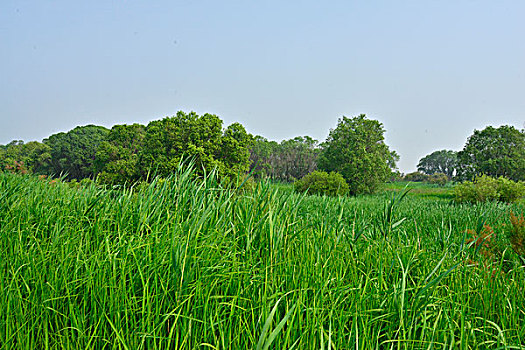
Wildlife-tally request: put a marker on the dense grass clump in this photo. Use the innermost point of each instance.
(183, 264)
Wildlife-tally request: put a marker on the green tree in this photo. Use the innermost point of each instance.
(286, 161)
(73, 152)
(495, 152)
(356, 149)
(261, 154)
(11, 158)
(30, 157)
(443, 161)
(116, 159)
(201, 138)
(234, 152)
(298, 157)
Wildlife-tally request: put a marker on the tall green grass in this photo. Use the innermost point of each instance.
(183, 264)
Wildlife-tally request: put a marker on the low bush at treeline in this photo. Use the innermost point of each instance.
(486, 188)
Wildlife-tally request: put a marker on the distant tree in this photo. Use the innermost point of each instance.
(73, 152)
(495, 152)
(116, 159)
(234, 152)
(262, 153)
(201, 138)
(356, 149)
(32, 157)
(286, 161)
(37, 157)
(298, 157)
(443, 161)
(11, 157)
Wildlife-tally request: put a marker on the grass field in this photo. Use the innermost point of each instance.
(180, 264)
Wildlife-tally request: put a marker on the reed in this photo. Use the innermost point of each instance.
(183, 264)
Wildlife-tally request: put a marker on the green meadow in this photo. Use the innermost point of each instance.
(183, 264)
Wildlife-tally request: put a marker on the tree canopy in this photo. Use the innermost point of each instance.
(356, 149)
(494, 152)
(116, 157)
(23, 157)
(130, 153)
(72, 153)
(201, 138)
(286, 161)
(443, 161)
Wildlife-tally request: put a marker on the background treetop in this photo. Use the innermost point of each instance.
(495, 152)
(73, 152)
(442, 161)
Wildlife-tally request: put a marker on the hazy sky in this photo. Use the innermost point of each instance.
(430, 71)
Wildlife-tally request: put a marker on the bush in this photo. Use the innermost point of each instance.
(416, 176)
(320, 182)
(486, 188)
(510, 191)
(438, 179)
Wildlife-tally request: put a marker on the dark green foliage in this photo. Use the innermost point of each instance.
(486, 188)
(495, 152)
(234, 152)
(262, 154)
(129, 153)
(322, 183)
(443, 161)
(201, 138)
(356, 149)
(436, 178)
(73, 152)
(286, 161)
(20, 157)
(117, 157)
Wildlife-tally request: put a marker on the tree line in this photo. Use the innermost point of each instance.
(355, 148)
(130, 153)
(496, 152)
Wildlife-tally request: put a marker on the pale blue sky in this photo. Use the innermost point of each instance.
(431, 71)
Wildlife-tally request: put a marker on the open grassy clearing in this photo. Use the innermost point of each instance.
(181, 264)
(423, 189)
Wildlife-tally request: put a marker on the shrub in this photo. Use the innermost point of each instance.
(320, 182)
(416, 176)
(438, 179)
(510, 191)
(486, 188)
